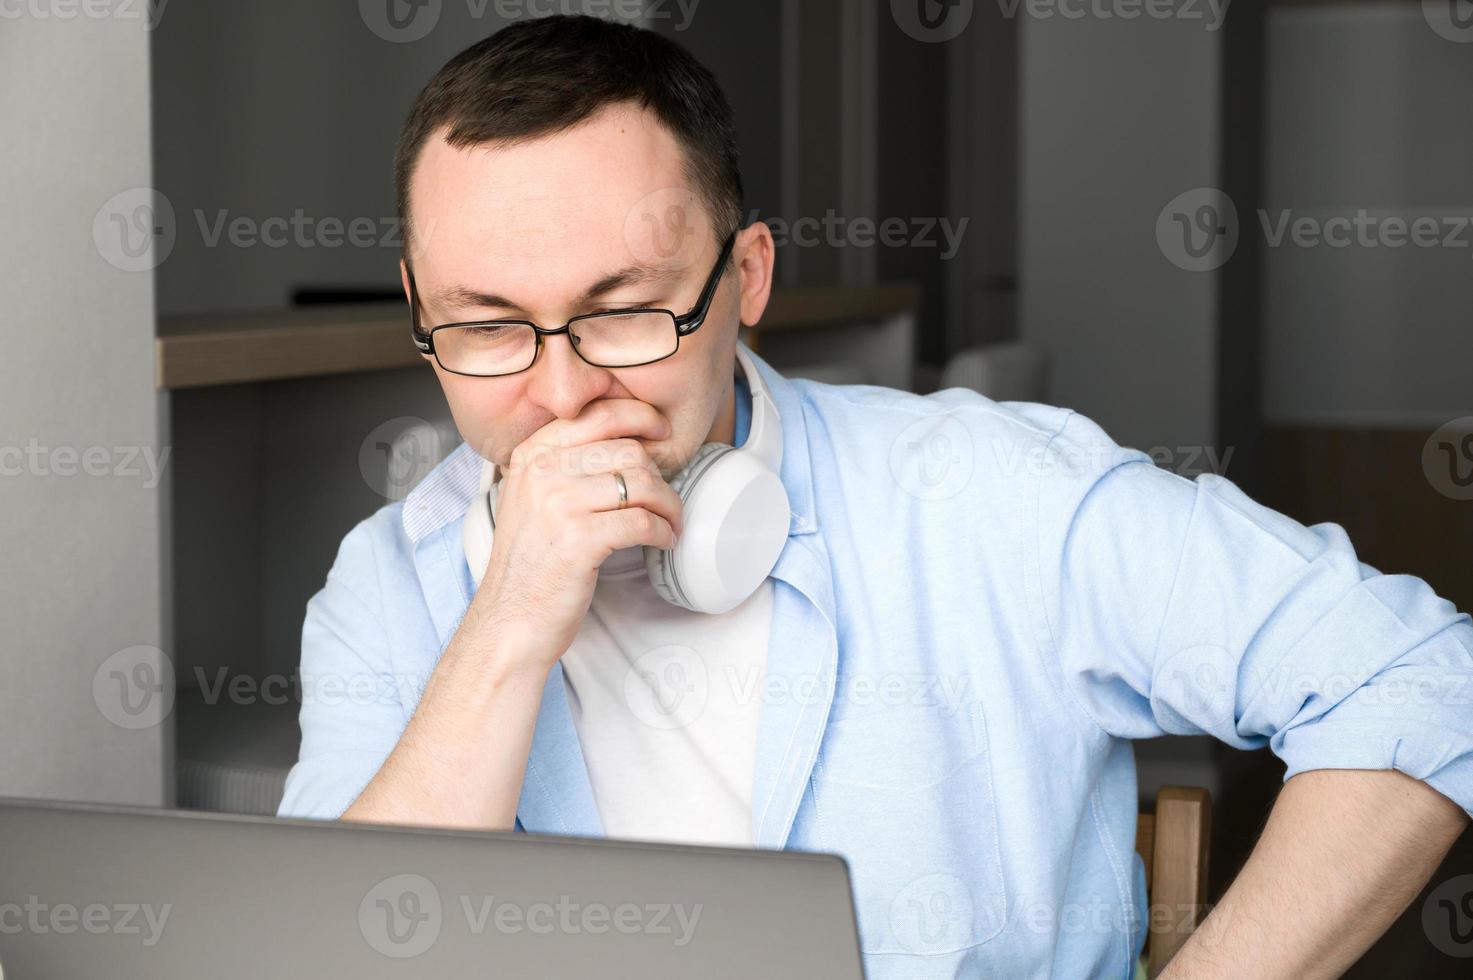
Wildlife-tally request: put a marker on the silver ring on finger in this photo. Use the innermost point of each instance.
(623, 491)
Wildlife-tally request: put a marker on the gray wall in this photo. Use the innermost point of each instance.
(265, 109)
(911, 161)
(1361, 116)
(274, 475)
(982, 92)
(80, 568)
(1117, 118)
(739, 42)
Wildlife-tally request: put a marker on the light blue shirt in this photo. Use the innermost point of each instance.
(978, 606)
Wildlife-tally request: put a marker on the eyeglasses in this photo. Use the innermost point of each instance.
(611, 339)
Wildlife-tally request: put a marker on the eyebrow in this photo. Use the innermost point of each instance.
(459, 297)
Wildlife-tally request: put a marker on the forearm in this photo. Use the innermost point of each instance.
(1343, 854)
(463, 756)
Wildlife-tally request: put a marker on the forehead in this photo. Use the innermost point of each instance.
(571, 200)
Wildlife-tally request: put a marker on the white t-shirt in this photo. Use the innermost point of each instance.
(666, 703)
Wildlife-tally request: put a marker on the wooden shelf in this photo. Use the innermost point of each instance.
(200, 351)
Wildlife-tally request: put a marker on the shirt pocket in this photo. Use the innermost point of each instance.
(905, 795)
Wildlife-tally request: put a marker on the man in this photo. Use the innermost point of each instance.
(977, 606)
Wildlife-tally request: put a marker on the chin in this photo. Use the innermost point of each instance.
(668, 467)
(668, 459)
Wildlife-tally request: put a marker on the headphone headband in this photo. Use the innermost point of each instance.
(765, 431)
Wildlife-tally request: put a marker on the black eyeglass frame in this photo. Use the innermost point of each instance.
(685, 324)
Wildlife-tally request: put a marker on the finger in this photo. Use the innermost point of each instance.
(615, 529)
(606, 418)
(607, 456)
(647, 490)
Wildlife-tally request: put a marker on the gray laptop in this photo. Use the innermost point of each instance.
(121, 892)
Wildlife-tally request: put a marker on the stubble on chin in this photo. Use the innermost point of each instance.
(670, 458)
(663, 455)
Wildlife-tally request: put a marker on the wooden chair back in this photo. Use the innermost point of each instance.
(1172, 842)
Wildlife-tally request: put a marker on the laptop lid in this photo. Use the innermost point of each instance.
(125, 892)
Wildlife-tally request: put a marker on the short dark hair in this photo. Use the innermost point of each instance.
(541, 76)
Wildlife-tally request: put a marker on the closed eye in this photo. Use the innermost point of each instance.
(492, 329)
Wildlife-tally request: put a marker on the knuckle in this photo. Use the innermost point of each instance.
(639, 479)
(630, 452)
(597, 456)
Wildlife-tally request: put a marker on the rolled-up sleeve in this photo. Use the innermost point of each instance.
(1179, 606)
(352, 710)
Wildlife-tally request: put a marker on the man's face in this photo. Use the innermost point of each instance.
(595, 217)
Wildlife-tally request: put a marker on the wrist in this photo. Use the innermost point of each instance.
(507, 648)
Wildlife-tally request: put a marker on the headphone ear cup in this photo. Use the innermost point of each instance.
(661, 564)
(683, 482)
(657, 564)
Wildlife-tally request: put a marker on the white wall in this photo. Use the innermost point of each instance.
(1368, 109)
(80, 564)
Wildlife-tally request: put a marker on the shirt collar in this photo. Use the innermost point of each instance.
(443, 495)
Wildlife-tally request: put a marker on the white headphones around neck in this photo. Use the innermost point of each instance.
(735, 507)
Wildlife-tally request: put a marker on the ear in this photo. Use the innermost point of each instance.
(754, 253)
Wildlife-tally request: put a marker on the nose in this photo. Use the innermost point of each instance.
(562, 382)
